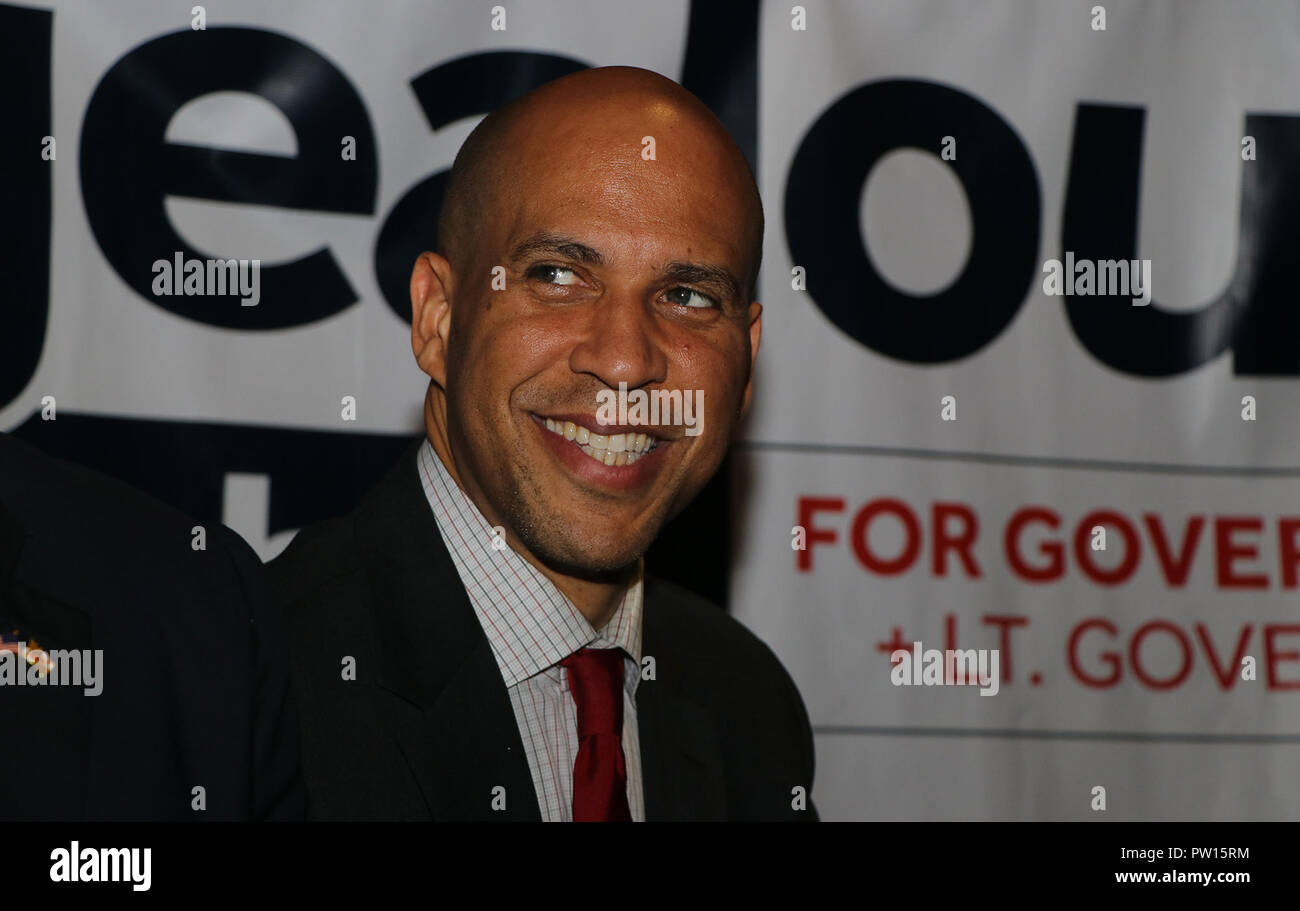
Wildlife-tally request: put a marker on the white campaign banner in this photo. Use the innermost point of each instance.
(1121, 528)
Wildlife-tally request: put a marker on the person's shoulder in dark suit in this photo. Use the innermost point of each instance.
(192, 720)
(715, 661)
(324, 584)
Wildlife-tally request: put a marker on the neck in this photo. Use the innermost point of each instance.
(596, 598)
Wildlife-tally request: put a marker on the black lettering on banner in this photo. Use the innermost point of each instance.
(1255, 315)
(127, 168)
(822, 197)
(25, 188)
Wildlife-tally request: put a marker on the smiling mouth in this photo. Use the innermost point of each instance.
(610, 450)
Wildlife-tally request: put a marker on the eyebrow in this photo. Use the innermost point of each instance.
(547, 243)
(556, 245)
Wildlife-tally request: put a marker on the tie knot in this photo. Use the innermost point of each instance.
(596, 681)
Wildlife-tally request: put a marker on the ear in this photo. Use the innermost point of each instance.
(431, 289)
(755, 336)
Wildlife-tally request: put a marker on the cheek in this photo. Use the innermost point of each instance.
(719, 370)
(540, 341)
(509, 352)
(477, 382)
(505, 349)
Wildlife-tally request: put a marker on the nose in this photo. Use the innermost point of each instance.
(621, 344)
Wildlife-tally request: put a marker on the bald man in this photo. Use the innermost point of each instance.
(479, 639)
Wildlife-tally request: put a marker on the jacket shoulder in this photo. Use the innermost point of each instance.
(702, 634)
(714, 661)
(317, 557)
(121, 536)
(324, 557)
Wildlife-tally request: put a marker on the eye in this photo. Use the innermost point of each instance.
(554, 275)
(689, 297)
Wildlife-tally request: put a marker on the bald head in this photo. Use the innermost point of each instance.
(594, 119)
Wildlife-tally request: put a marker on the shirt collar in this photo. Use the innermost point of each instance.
(530, 624)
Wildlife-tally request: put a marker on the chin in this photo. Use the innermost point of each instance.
(588, 556)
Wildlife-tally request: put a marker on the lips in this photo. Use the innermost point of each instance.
(609, 449)
(613, 457)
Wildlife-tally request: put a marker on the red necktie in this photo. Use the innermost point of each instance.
(599, 773)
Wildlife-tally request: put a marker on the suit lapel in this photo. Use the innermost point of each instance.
(681, 760)
(467, 753)
(457, 729)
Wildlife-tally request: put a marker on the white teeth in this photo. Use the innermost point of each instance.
(612, 450)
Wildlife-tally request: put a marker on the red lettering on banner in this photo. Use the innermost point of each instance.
(895, 643)
(1072, 654)
(1176, 571)
(1272, 656)
(1083, 553)
(1288, 553)
(808, 506)
(1226, 672)
(911, 532)
(1227, 676)
(1135, 652)
(1228, 552)
(961, 543)
(1036, 550)
(1056, 565)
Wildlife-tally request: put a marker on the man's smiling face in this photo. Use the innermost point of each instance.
(617, 270)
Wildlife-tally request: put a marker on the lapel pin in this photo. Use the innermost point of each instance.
(28, 650)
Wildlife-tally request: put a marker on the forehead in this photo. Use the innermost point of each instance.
(694, 199)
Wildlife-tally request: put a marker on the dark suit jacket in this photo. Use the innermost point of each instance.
(194, 685)
(426, 729)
